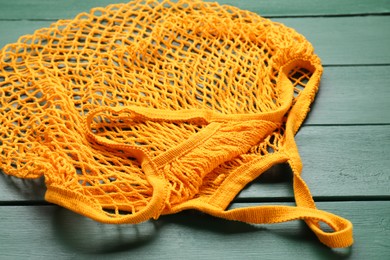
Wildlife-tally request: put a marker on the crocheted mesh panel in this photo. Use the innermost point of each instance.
(160, 55)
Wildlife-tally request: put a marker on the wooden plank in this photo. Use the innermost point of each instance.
(58, 9)
(10, 31)
(346, 161)
(48, 9)
(339, 162)
(49, 231)
(352, 95)
(357, 40)
(346, 40)
(15, 190)
(280, 8)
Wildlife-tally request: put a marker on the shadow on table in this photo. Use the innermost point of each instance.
(22, 190)
(187, 231)
(191, 229)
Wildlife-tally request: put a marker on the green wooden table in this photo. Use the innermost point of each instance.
(344, 143)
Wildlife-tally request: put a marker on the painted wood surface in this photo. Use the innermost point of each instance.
(55, 9)
(352, 95)
(50, 231)
(344, 145)
(340, 162)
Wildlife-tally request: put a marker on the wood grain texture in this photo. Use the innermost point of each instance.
(352, 95)
(357, 40)
(360, 40)
(59, 9)
(47, 231)
(10, 31)
(344, 145)
(339, 161)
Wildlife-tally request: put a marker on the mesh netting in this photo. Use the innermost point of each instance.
(164, 56)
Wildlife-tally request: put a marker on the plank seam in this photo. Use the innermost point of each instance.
(237, 200)
(359, 124)
(357, 65)
(316, 199)
(387, 13)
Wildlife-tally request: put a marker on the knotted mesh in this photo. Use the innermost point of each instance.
(148, 108)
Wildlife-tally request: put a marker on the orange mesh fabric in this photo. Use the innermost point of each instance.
(149, 108)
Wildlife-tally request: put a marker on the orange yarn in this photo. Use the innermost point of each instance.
(149, 108)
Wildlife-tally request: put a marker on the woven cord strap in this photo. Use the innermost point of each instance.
(341, 237)
(152, 166)
(155, 178)
(303, 198)
(343, 231)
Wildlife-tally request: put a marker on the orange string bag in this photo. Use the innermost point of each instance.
(138, 110)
